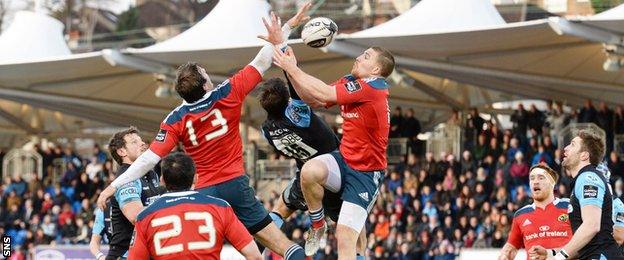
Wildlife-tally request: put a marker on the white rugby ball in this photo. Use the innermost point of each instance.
(319, 32)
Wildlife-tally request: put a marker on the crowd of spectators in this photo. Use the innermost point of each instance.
(430, 206)
(51, 209)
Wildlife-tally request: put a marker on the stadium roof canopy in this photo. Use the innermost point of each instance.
(485, 59)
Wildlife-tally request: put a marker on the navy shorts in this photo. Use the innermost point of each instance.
(293, 198)
(242, 198)
(358, 187)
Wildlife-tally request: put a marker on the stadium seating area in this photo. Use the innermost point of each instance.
(431, 206)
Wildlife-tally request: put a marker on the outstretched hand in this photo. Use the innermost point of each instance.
(285, 60)
(274, 30)
(301, 16)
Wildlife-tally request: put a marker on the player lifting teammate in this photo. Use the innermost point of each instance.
(207, 124)
(361, 161)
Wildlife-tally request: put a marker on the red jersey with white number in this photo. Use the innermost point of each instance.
(548, 227)
(364, 108)
(186, 225)
(209, 129)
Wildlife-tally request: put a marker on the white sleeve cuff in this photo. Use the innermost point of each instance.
(140, 167)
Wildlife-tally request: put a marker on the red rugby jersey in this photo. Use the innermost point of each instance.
(186, 225)
(548, 227)
(209, 129)
(364, 108)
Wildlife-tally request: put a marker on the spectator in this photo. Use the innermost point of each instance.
(519, 170)
(615, 165)
(588, 113)
(618, 120)
(514, 148)
(411, 128)
(68, 231)
(520, 120)
(542, 157)
(467, 163)
(18, 185)
(382, 229)
(394, 182)
(481, 149)
(604, 120)
(396, 122)
(535, 119)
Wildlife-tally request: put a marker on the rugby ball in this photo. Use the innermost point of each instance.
(319, 32)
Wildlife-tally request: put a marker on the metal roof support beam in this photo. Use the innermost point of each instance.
(506, 86)
(18, 122)
(79, 100)
(116, 58)
(421, 65)
(565, 27)
(90, 113)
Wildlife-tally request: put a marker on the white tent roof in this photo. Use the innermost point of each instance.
(505, 61)
(436, 16)
(32, 36)
(232, 23)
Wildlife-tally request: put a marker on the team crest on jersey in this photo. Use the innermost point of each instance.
(563, 218)
(353, 86)
(161, 136)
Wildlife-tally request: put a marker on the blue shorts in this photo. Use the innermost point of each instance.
(358, 187)
(242, 198)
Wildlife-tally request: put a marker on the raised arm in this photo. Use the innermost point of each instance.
(312, 90)
(277, 35)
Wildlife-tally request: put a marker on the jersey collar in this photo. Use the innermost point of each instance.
(179, 193)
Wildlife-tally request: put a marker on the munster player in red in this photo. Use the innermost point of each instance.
(207, 124)
(358, 168)
(545, 223)
(184, 224)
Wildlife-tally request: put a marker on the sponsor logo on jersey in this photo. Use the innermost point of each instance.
(161, 136)
(353, 86)
(128, 191)
(544, 228)
(350, 115)
(526, 222)
(590, 191)
(619, 217)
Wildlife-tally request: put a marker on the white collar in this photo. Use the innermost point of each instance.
(179, 193)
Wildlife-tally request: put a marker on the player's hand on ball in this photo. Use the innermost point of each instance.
(301, 16)
(104, 195)
(285, 60)
(274, 30)
(538, 253)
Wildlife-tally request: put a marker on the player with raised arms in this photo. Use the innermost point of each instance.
(207, 124)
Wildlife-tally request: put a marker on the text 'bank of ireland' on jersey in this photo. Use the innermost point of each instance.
(366, 113)
(209, 129)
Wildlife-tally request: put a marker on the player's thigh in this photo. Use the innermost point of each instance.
(326, 169)
(242, 199)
